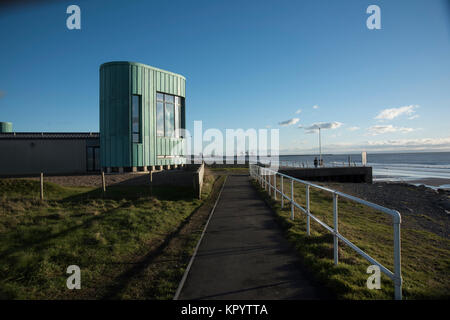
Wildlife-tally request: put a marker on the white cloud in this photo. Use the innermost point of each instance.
(323, 125)
(379, 129)
(404, 145)
(424, 142)
(289, 122)
(315, 107)
(298, 111)
(353, 128)
(389, 114)
(413, 117)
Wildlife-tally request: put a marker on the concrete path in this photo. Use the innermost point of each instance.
(243, 254)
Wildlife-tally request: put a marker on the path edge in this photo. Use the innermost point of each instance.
(191, 261)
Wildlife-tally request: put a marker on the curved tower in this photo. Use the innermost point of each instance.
(142, 109)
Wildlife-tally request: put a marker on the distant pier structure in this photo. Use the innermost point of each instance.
(336, 174)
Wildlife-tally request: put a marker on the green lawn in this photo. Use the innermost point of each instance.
(112, 237)
(425, 256)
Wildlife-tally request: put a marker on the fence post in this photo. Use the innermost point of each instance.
(282, 193)
(308, 231)
(335, 237)
(275, 186)
(103, 182)
(397, 262)
(292, 199)
(270, 186)
(151, 183)
(42, 186)
(265, 180)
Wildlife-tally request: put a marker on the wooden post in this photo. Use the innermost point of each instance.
(42, 186)
(103, 182)
(151, 183)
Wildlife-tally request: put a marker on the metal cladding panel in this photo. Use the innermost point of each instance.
(118, 82)
(6, 127)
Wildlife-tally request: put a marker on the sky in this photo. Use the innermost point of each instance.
(288, 65)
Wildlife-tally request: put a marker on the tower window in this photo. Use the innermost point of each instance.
(136, 112)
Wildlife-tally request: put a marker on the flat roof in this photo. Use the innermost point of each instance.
(50, 135)
(142, 65)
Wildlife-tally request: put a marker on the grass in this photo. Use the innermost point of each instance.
(425, 256)
(229, 170)
(115, 238)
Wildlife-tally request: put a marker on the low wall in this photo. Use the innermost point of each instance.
(338, 174)
(198, 179)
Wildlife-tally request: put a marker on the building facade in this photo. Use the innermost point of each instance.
(29, 153)
(142, 114)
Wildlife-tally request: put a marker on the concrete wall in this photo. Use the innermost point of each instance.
(338, 174)
(51, 156)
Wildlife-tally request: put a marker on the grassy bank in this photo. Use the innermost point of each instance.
(425, 255)
(115, 238)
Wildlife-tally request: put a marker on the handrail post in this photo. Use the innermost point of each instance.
(397, 262)
(308, 231)
(282, 193)
(270, 185)
(335, 237)
(275, 190)
(265, 180)
(292, 199)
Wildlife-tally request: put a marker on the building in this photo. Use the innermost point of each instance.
(142, 110)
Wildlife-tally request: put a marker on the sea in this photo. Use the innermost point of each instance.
(401, 167)
(431, 169)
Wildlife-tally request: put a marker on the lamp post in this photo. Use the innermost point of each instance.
(320, 148)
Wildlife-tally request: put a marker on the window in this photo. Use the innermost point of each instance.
(170, 120)
(168, 115)
(136, 118)
(93, 158)
(160, 119)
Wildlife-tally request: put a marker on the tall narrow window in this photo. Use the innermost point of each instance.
(160, 115)
(169, 119)
(136, 118)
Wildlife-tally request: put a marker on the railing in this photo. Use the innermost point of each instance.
(306, 164)
(264, 177)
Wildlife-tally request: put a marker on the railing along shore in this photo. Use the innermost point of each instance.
(268, 180)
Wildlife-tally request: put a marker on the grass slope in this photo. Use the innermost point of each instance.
(109, 236)
(425, 256)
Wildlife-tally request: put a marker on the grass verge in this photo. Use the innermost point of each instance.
(425, 255)
(130, 243)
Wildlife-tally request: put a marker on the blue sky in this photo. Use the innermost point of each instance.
(248, 64)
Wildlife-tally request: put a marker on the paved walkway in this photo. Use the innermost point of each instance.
(243, 254)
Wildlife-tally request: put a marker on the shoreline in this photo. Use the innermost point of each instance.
(433, 183)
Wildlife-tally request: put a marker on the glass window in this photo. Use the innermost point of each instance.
(169, 120)
(169, 98)
(160, 119)
(168, 115)
(136, 118)
(90, 159)
(177, 120)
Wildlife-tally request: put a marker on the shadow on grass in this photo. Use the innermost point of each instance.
(135, 194)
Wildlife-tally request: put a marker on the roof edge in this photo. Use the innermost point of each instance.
(132, 63)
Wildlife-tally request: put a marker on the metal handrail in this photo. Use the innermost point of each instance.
(263, 175)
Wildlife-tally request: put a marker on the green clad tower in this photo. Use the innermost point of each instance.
(142, 114)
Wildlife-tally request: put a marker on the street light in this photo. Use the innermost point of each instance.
(320, 148)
